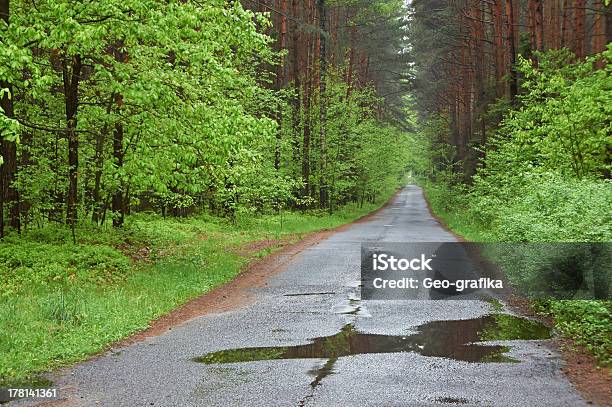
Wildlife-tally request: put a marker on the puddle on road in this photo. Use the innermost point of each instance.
(448, 339)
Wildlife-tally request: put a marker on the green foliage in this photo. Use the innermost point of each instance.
(563, 124)
(544, 178)
(588, 323)
(187, 98)
(542, 207)
(175, 112)
(25, 264)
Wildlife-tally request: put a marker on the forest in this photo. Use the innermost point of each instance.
(105, 114)
(515, 112)
(153, 135)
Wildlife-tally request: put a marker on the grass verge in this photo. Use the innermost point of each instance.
(61, 302)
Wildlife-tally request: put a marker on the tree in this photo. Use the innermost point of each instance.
(323, 199)
(8, 145)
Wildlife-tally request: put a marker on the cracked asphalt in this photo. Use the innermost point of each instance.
(160, 371)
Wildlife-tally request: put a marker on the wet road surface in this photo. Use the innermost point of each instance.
(308, 339)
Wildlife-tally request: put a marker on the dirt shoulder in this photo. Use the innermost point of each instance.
(593, 382)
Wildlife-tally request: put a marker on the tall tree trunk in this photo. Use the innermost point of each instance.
(516, 18)
(307, 105)
(8, 150)
(531, 25)
(280, 80)
(323, 198)
(608, 24)
(480, 61)
(71, 76)
(464, 110)
(598, 43)
(306, 147)
(538, 19)
(555, 28)
(118, 206)
(566, 29)
(510, 37)
(498, 28)
(297, 84)
(118, 200)
(579, 28)
(547, 23)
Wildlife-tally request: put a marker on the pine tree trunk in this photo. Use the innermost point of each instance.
(531, 6)
(538, 20)
(323, 198)
(280, 80)
(510, 42)
(555, 28)
(579, 28)
(307, 104)
(608, 25)
(294, 54)
(480, 61)
(500, 66)
(566, 29)
(598, 43)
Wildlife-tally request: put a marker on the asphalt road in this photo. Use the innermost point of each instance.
(317, 296)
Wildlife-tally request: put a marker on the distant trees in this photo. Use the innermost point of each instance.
(359, 43)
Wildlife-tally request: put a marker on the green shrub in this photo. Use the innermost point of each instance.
(588, 323)
(25, 264)
(543, 207)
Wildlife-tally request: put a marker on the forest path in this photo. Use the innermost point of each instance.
(388, 349)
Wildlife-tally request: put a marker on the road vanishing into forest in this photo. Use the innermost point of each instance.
(323, 345)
